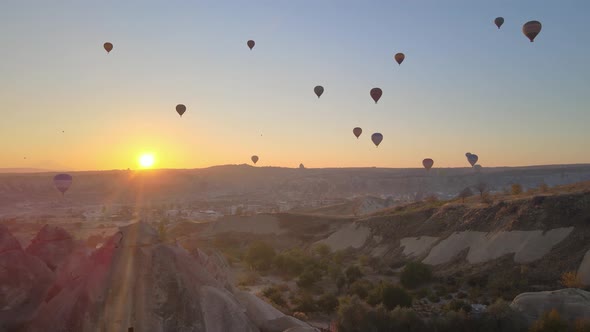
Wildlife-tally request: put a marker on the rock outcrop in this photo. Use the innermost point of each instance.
(52, 245)
(24, 280)
(571, 303)
(136, 280)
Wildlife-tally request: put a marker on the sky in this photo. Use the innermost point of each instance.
(465, 86)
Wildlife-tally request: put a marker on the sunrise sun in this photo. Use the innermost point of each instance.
(146, 160)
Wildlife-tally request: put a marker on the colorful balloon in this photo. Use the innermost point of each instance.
(427, 163)
(254, 159)
(108, 47)
(180, 109)
(399, 58)
(499, 21)
(531, 29)
(376, 94)
(62, 182)
(472, 159)
(319, 90)
(251, 44)
(357, 131)
(377, 138)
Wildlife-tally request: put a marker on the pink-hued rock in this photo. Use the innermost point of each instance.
(52, 245)
(24, 280)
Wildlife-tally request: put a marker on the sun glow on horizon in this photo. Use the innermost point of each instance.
(146, 160)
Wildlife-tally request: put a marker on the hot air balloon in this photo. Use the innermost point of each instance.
(427, 163)
(254, 159)
(319, 90)
(357, 131)
(62, 182)
(399, 58)
(472, 159)
(108, 47)
(376, 94)
(531, 29)
(467, 154)
(499, 21)
(477, 168)
(251, 44)
(180, 109)
(377, 138)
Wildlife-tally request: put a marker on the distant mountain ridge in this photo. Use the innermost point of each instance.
(24, 170)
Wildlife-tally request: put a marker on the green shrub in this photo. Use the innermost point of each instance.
(292, 262)
(327, 303)
(305, 303)
(322, 250)
(433, 298)
(353, 273)
(550, 322)
(356, 316)
(274, 295)
(516, 189)
(415, 274)
(360, 288)
(458, 305)
(309, 277)
(260, 256)
(394, 296)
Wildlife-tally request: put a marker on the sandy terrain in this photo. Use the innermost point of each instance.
(352, 235)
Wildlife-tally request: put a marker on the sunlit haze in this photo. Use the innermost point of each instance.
(464, 86)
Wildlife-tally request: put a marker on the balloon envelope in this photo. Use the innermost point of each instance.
(377, 138)
(472, 159)
(427, 163)
(319, 90)
(180, 109)
(399, 58)
(62, 182)
(254, 159)
(357, 132)
(251, 44)
(467, 154)
(499, 21)
(376, 94)
(108, 47)
(531, 29)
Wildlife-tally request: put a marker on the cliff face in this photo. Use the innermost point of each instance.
(52, 245)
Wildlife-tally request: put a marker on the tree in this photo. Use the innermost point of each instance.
(353, 273)
(260, 255)
(482, 188)
(550, 322)
(516, 189)
(394, 296)
(465, 193)
(415, 274)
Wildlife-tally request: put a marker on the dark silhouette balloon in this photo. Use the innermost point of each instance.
(531, 29)
(62, 182)
(180, 109)
(467, 154)
(377, 138)
(319, 90)
(376, 94)
(472, 159)
(254, 159)
(251, 44)
(399, 58)
(427, 163)
(108, 47)
(499, 21)
(357, 131)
